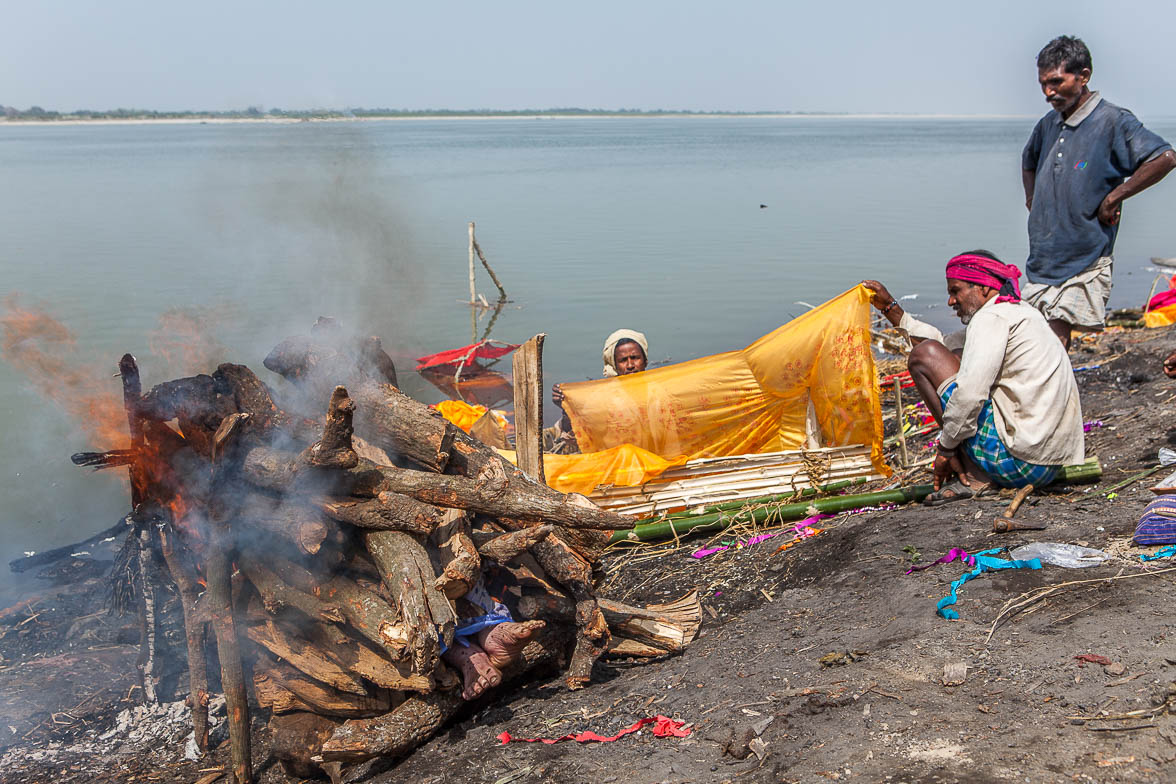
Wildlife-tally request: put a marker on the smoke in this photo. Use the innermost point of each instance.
(321, 233)
(184, 342)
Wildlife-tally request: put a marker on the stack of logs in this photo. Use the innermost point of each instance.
(351, 554)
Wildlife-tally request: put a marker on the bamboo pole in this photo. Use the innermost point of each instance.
(808, 492)
(1090, 471)
(781, 512)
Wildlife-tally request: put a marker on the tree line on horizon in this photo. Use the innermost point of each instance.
(256, 112)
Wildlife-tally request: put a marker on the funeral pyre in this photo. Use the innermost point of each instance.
(323, 541)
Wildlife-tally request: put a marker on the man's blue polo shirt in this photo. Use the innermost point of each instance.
(1078, 162)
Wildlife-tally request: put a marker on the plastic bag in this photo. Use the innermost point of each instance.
(1068, 556)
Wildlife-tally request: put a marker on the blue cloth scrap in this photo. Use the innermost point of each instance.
(495, 612)
(1163, 552)
(471, 626)
(984, 563)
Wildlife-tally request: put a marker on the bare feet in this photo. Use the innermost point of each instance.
(477, 673)
(504, 642)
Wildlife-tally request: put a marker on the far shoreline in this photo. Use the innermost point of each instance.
(197, 120)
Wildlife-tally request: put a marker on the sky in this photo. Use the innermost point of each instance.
(907, 57)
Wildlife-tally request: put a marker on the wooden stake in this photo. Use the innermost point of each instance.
(183, 571)
(493, 277)
(898, 413)
(128, 369)
(220, 599)
(473, 293)
(528, 398)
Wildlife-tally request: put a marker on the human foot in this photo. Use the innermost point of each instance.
(477, 673)
(957, 491)
(504, 642)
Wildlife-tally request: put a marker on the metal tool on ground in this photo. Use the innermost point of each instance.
(1004, 523)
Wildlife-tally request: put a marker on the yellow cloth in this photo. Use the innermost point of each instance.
(1160, 317)
(741, 402)
(625, 465)
(464, 415)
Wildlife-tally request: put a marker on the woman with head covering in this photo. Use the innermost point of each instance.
(625, 351)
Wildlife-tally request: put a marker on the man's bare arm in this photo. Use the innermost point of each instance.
(1147, 175)
(1028, 178)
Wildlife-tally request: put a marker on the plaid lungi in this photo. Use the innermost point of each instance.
(1157, 524)
(990, 453)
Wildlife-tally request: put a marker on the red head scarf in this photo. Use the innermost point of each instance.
(987, 272)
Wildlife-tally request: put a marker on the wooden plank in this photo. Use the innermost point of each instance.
(528, 399)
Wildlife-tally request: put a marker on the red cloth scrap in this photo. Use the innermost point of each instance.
(482, 350)
(1092, 658)
(663, 727)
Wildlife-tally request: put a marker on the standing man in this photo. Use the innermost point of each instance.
(1082, 161)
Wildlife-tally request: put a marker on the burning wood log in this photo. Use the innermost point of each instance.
(334, 450)
(183, 571)
(375, 362)
(306, 529)
(385, 512)
(461, 566)
(309, 659)
(100, 460)
(282, 688)
(220, 599)
(364, 610)
(362, 660)
(297, 736)
(276, 594)
(491, 493)
(427, 617)
(503, 547)
(417, 718)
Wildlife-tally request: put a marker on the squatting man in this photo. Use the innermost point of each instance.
(1002, 389)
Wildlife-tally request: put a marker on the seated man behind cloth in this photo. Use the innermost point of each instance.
(1002, 389)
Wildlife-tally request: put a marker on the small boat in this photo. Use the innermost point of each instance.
(1171, 263)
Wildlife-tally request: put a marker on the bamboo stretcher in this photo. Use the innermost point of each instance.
(715, 480)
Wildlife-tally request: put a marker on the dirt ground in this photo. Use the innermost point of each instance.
(764, 700)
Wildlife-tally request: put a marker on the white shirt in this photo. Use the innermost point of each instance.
(1011, 357)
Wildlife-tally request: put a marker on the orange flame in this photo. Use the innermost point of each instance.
(42, 347)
